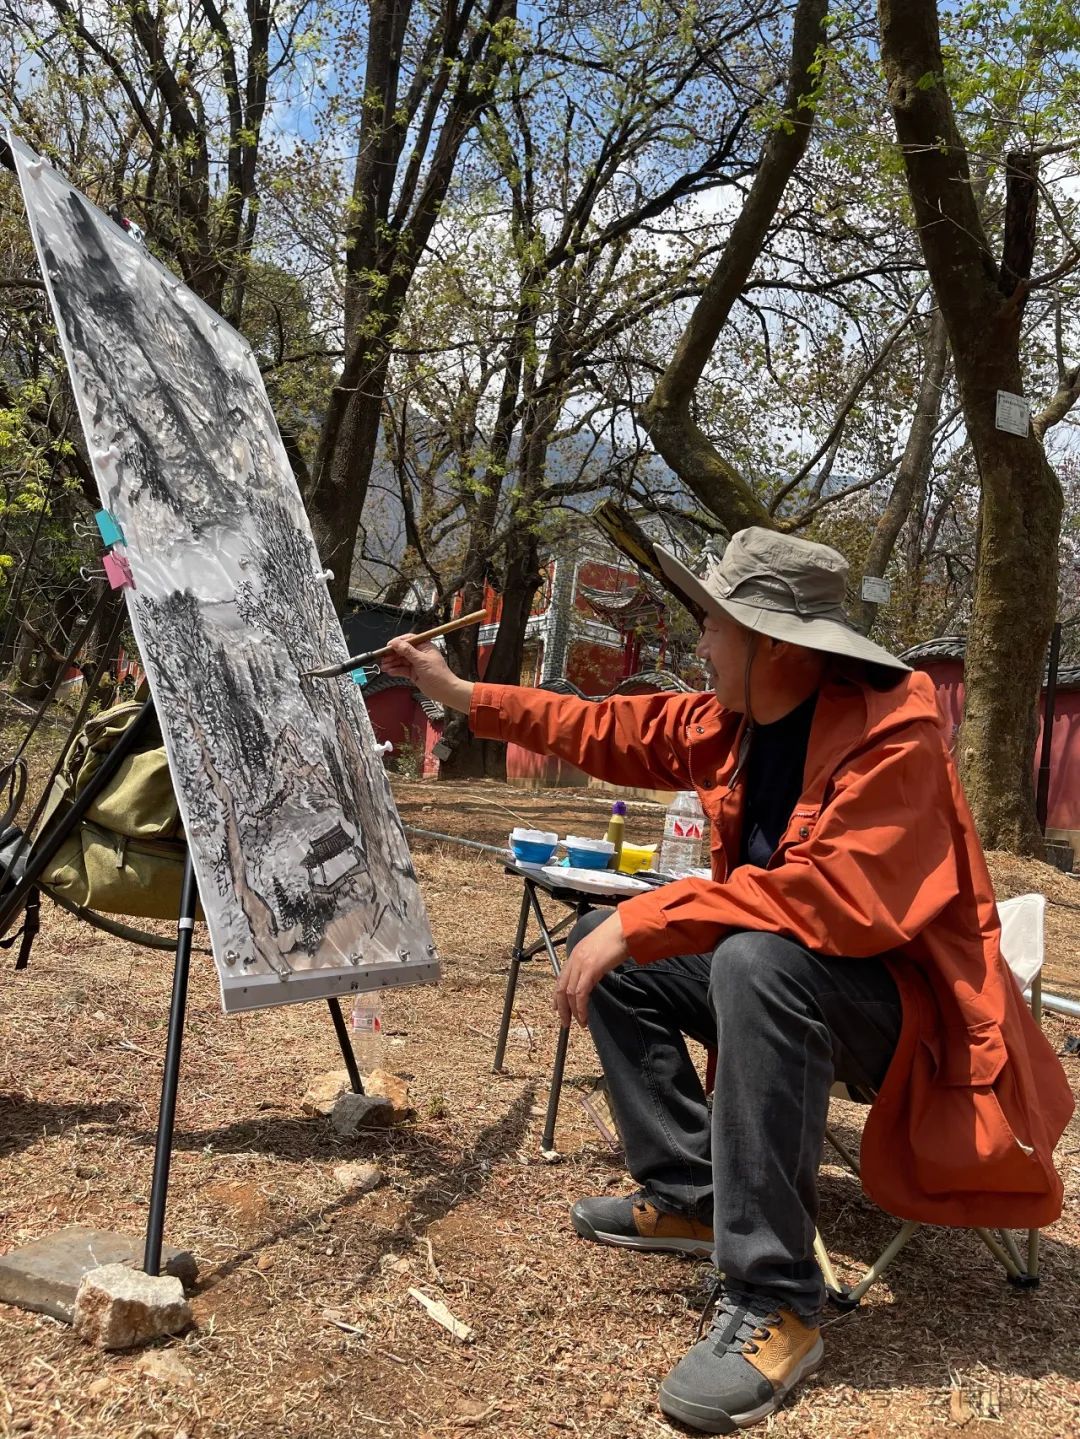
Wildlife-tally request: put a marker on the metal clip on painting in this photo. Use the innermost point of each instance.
(114, 568)
(361, 676)
(109, 530)
(118, 571)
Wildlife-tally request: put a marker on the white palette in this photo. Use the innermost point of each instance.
(594, 881)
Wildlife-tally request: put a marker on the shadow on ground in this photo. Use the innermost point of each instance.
(24, 1121)
(446, 1182)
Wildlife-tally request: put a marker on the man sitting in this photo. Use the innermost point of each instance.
(848, 931)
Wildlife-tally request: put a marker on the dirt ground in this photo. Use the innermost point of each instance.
(304, 1324)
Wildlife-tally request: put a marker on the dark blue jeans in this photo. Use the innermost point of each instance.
(784, 1023)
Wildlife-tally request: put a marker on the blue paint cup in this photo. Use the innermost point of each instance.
(533, 846)
(588, 853)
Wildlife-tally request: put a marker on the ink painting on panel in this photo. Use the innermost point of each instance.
(304, 873)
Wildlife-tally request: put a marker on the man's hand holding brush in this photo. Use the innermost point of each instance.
(425, 666)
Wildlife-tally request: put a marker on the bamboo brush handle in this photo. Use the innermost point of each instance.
(354, 662)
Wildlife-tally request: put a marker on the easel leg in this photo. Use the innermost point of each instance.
(511, 984)
(155, 1227)
(345, 1045)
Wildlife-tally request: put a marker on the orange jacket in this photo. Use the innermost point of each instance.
(880, 858)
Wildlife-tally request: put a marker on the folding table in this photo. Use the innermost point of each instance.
(577, 900)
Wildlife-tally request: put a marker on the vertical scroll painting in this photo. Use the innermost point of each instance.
(303, 870)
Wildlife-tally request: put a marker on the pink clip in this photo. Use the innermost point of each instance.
(118, 571)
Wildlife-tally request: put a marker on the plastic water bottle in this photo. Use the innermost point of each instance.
(367, 1031)
(684, 829)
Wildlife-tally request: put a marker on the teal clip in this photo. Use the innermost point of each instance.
(363, 674)
(110, 531)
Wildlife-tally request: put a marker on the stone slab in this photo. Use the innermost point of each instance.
(45, 1276)
(324, 1091)
(380, 1084)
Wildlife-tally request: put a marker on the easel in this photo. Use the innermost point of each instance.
(40, 855)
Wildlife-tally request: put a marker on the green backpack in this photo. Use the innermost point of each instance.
(127, 856)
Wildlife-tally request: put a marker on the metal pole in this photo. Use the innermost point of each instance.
(1059, 1005)
(345, 1044)
(1042, 792)
(155, 1227)
(1036, 997)
(516, 957)
(501, 851)
(547, 1139)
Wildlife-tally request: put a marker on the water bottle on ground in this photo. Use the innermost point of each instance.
(367, 1031)
(684, 830)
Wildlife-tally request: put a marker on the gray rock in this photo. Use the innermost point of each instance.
(356, 1177)
(354, 1112)
(118, 1308)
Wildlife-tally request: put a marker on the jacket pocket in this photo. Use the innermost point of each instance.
(976, 1055)
(962, 1130)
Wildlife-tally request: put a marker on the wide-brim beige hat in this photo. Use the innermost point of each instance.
(781, 586)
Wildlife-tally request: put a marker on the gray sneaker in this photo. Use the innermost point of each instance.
(634, 1222)
(754, 1353)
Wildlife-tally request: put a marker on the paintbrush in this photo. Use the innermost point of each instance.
(329, 672)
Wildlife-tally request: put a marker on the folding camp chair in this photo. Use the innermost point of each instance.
(1022, 948)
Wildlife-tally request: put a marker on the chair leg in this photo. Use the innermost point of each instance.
(1000, 1253)
(1027, 1269)
(836, 1290)
(841, 1148)
(1012, 1248)
(1033, 1255)
(884, 1259)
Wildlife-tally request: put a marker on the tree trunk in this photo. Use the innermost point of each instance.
(1021, 502)
(914, 469)
(1015, 605)
(668, 416)
(335, 501)
(469, 756)
(395, 208)
(521, 583)
(96, 641)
